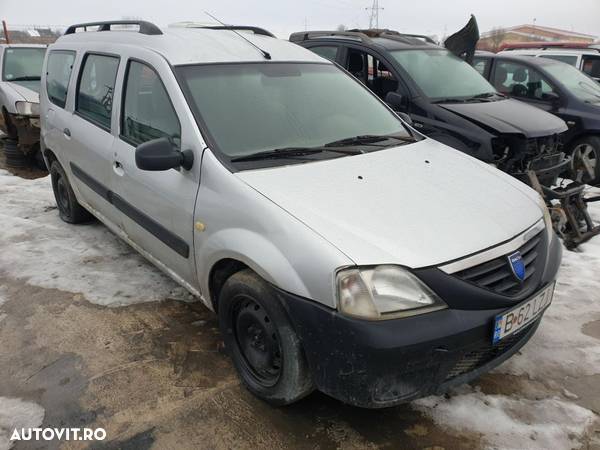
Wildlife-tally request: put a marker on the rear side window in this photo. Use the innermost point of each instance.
(568, 59)
(591, 66)
(58, 74)
(147, 111)
(96, 88)
(327, 52)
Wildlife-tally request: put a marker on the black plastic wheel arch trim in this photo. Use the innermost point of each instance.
(167, 237)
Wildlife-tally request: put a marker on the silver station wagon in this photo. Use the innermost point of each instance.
(342, 250)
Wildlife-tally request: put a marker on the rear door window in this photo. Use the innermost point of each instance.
(481, 65)
(96, 88)
(58, 74)
(147, 109)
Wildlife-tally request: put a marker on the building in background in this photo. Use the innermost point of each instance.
(30, 34)
(497, 38)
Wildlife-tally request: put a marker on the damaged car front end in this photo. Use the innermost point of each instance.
(19, 102)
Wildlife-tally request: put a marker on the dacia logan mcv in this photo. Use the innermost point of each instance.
(341, 249)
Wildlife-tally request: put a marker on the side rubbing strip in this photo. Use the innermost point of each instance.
(167, 237)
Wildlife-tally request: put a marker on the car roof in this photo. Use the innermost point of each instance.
(23, 45)
(387, 39)
(555, 51)
(533, 60)
(181, 45)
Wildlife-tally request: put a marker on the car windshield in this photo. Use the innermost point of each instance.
(441, 75)
(23, 63)
(579, 84)
(260, 107)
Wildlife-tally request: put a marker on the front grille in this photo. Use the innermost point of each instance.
(497, 276)
(483, 355)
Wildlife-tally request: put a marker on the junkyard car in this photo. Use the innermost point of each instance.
(341, 249)
(560, 89)
(19, 100)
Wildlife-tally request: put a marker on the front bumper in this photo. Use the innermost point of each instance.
(384, 363)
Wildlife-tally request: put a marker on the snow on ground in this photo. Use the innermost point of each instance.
(17, 414)
(558, 349)
(39, 247)
(86, 259)
(508, 422)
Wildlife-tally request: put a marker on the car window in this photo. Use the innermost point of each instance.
(58, 74)
(481, 65)
(441, 75)
(576, 82)
(23, 64)
(96, 88)
(379, 77)
(569, 59)
(147, 110)
(329, 52)
(260, 106)
(591, 66)
(520, 80)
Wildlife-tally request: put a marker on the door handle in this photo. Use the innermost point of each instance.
(67, 132)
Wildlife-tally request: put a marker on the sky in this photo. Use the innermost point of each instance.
(431, 17)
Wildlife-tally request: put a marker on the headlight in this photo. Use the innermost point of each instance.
(384, 292)
(547, 218)
(28, 108)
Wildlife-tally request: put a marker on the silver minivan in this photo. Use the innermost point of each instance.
(342, 250)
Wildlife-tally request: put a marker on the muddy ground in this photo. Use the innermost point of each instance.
(155, 375)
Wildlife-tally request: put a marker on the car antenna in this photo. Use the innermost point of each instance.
(266, 54)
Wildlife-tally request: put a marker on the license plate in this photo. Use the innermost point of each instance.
(522, 315)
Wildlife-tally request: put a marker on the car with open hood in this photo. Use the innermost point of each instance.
(341, 249)
(21, 66)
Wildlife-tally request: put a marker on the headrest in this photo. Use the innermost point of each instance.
(520, 75)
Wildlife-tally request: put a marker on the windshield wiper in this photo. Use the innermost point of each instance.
(450, 100)
(26, 78)
(369, 139)
(486, 95)
(291, 152)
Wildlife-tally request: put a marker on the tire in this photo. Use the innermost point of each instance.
(261, 340)
(585, 162)
(68, 208)
(15, 158)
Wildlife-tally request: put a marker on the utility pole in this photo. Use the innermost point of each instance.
(374, 18)
(6, 38)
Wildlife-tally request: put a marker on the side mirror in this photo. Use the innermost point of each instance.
(395, 100)
(159, 154)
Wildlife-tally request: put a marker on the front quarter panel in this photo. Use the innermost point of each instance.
(240, 223)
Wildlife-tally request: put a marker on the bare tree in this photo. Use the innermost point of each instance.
(496, 38)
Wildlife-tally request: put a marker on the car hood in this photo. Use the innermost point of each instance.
(29, 90)
(415, 205)
(509, 116)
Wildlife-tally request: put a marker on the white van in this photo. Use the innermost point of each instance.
(341, 249)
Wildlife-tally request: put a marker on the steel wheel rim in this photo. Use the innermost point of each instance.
(62, 195)
(258, 342)
(585, 161)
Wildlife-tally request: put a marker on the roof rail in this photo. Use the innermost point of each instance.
(306, 35)
(419, 36)
(255, 30)
(145, 27)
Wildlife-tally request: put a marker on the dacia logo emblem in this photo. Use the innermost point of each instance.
(517, 265)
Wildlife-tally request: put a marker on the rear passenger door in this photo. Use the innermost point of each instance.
(87, 138)
(157, 207)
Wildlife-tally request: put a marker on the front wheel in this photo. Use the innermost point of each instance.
(261, 340)
(585, 160)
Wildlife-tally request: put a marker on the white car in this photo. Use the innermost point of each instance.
(19, 100)
(341, 249)
(586, 60)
